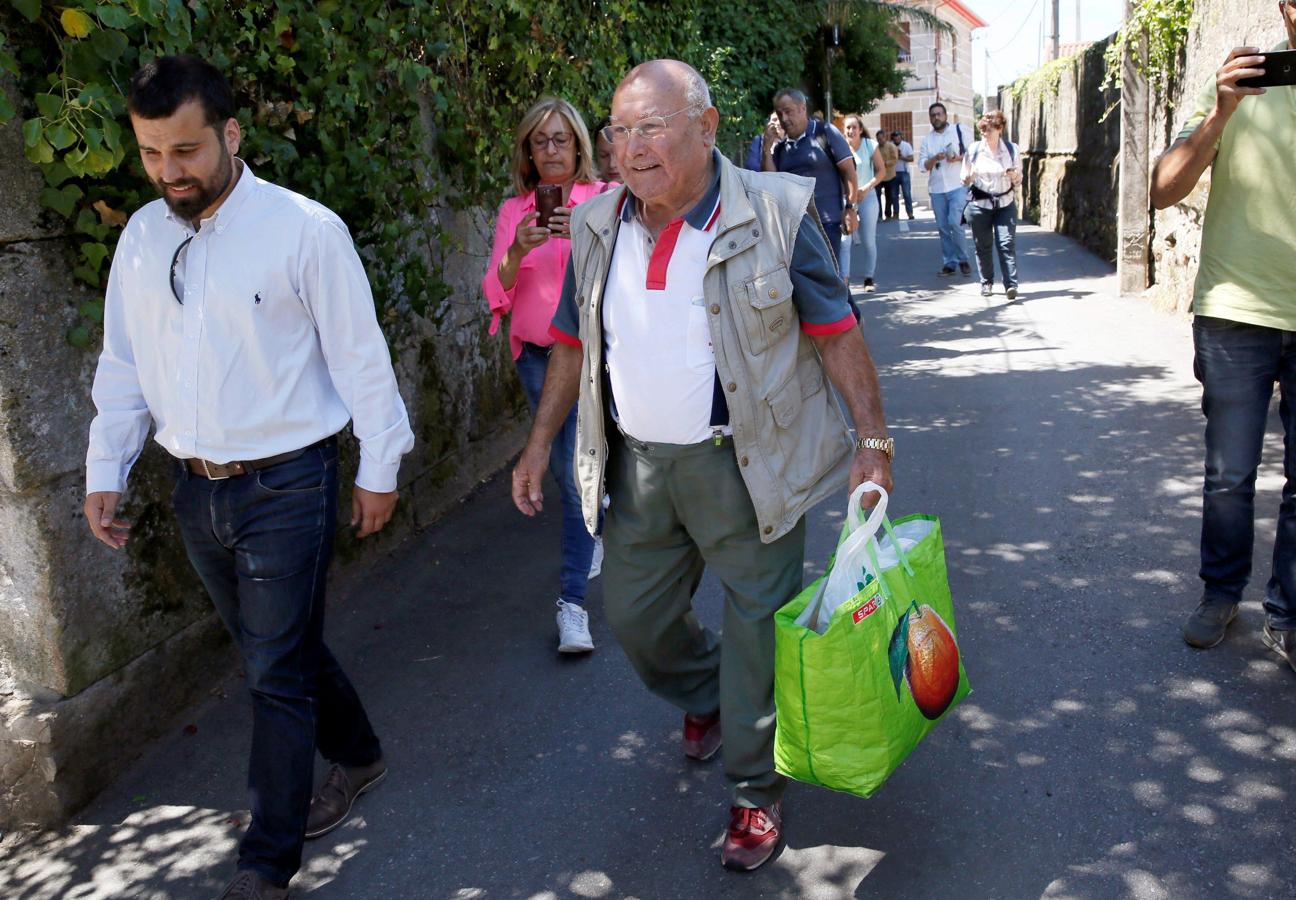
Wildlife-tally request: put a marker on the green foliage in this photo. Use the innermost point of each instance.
(1165, 24)
(1047, 79)
(865, 70)
(381, 109)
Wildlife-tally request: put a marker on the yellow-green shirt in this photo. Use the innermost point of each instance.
(1248, 252)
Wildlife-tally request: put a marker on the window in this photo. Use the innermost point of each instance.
(901, 37)
(901, 122)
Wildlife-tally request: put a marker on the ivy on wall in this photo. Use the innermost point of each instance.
(382, 109)
(1165, 24)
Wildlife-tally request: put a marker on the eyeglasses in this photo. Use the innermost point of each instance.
(649, 129)
(177, 265)
(562, 140)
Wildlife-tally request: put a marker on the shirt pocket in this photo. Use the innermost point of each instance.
(767, 311)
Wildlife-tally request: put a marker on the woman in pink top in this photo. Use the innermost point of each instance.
(523, 282)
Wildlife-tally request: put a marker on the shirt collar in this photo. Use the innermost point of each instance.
(224, 213)
(702, 213)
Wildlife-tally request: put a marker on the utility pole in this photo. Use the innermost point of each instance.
(1133, 216)
(1078, 35)
(1055, 37)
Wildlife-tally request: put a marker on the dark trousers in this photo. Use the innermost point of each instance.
(1237, 365)
(892, 187)
(261, 543)
(995, 229)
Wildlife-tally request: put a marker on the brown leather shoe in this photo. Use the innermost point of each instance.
(753, 836)
(702, 736)
(333, 801)
(248, 885)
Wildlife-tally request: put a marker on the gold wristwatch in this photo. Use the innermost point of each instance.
(886, 445)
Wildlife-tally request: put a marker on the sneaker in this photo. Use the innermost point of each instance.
(248, 885)
(573, 629)
(1206, 626)
(1011, 292)
(702, 736)
(753, 836)
(946, 271)
(987, 289)
(965, 268)
(332, 803)
(1282, 642)
(869, 286)
(596, 561)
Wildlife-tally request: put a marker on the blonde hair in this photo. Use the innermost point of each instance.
(525, 176)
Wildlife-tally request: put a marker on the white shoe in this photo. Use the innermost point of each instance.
(573, 629)
(596, 561)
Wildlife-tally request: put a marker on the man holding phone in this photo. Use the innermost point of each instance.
(941, 157)
(1244, 330)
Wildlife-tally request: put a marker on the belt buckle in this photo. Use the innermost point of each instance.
(210, 476)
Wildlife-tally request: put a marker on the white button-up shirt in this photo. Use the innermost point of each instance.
(947, 176)
(275, 347)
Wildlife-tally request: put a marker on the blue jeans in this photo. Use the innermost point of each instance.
(1237, 364)
(907, 191)
(261, 543)
(949, 209)
(868, 237)
(991, 229)
(577, 547)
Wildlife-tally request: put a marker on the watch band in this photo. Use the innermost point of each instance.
(885, 444)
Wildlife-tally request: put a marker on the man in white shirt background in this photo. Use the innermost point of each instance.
(239, 323)
(903, 178)
(941, 157)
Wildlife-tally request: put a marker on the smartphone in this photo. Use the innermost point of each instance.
(1279, 70)
(548, 198)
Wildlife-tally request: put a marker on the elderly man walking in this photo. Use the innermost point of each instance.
(1244, 329)
(700, 313)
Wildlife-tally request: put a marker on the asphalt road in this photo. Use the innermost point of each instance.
(1057, 437)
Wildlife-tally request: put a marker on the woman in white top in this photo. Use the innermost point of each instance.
(992, 171)
(869, 173)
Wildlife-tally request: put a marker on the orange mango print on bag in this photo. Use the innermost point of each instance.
(924, 655)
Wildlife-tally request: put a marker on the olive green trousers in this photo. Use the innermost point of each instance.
(676, 509)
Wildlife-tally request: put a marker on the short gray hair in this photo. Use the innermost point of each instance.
(696, 93)
(797, 97)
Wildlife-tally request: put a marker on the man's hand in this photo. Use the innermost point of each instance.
(1242, 62)
(100, 510)
(870, 465)
(850, 222)
(527, 476)
(371, 510)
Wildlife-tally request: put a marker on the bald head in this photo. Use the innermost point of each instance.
(672, 80)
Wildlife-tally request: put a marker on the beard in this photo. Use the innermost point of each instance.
(191, 206)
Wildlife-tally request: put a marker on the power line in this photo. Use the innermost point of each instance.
(1026, 19)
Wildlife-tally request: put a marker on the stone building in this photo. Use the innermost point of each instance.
(941, 67)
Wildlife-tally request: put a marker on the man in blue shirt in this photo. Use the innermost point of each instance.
(816, 150)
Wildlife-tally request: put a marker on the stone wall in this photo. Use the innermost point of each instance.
(1068, 149)
(1071, 169)
(100, 651)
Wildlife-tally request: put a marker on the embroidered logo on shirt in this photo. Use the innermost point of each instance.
(257, 299)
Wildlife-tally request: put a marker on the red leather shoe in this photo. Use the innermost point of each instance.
(754, 835)
(702, 736)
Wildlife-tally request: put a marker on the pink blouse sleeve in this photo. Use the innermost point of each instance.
(499, 297)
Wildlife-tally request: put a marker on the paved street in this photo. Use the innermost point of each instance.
(1098, 756)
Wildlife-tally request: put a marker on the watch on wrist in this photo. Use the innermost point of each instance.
(885, 444)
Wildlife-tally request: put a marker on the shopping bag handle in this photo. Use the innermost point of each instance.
(857, 518)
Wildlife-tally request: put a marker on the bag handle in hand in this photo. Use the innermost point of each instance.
(857, 518)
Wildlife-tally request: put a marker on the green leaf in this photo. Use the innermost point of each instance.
(32, 130)
(56, 173)
(79, 336)
(94, 253)
(62, 200)
(898, 651)
(8, 63)
(41, 154)
(93, 310)
(49, 105)
(61, 136)
(29, 8)
(7, 112)
(114, 17)
(110, 45)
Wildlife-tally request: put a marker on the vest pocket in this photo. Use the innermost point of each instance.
(785, 402)
(770, 314)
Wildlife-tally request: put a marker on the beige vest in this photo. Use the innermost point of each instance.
(790, 440)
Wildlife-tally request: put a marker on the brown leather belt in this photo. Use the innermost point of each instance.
(221, 471)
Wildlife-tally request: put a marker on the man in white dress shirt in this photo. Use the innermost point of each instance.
(240, 324)
(941, 157)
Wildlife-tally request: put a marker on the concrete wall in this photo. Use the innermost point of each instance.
(1072, 176)
(99, 651)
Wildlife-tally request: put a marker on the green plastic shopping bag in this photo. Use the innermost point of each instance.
(866, 658)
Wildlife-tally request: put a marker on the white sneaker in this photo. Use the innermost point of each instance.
(573, 629)
(596, 561)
